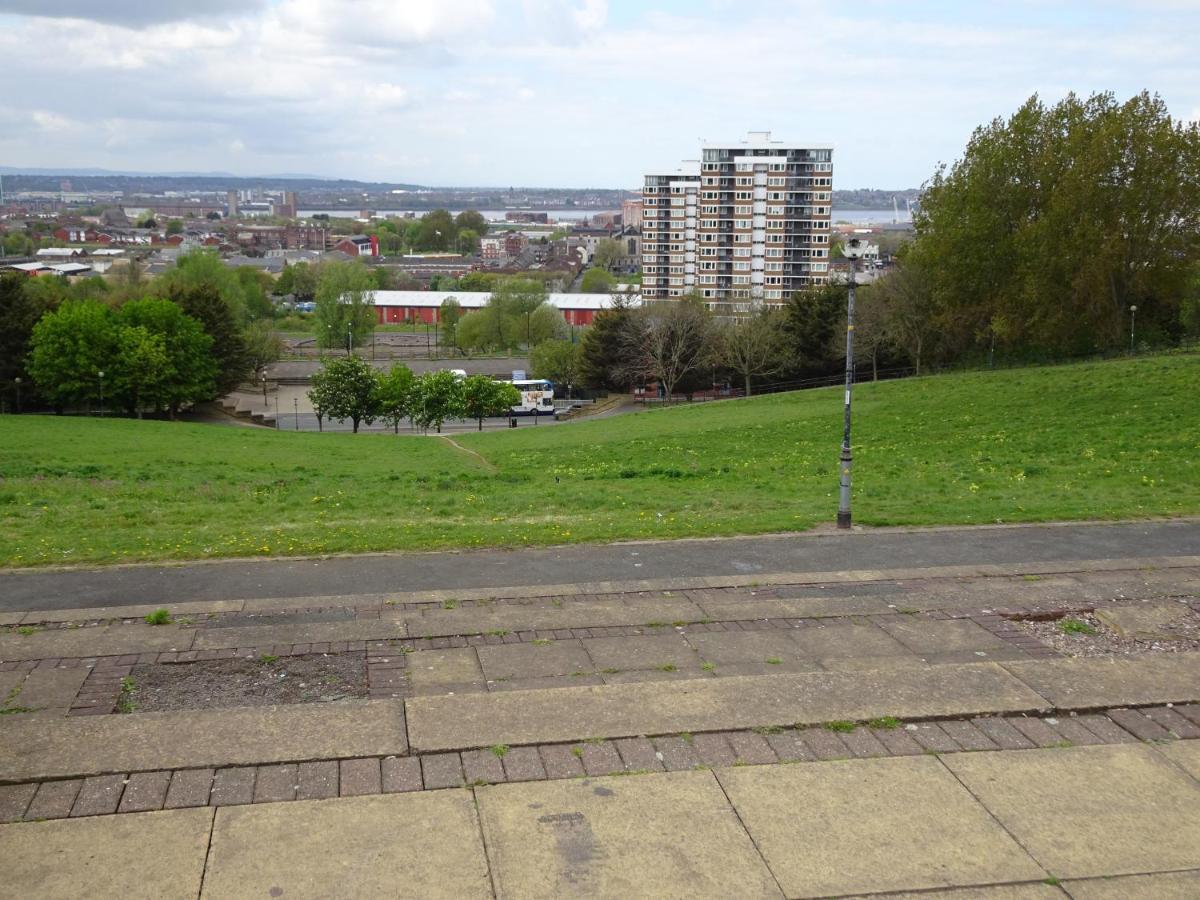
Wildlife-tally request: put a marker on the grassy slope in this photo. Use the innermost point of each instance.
(1103, 440)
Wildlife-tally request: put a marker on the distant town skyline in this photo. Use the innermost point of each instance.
(579, 93)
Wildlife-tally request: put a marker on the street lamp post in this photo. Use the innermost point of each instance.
(1132, 326)
(17, 382)
(101, 374)
(329, 336)
(349, 339)
(296, 407)
(263, 375)
(853, 250)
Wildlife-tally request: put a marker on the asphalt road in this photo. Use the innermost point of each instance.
(244, 579)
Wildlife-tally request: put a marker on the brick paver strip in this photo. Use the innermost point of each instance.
(145, 791)
(863, 744)
(14, 800)
(276, 783)
(523, 764)
(931, 736)
(1106, 729)
(1037, 731)
(713, 750)
(54, 799)
(1138, 725)
(601, 758)
(1075, 731)
(359, 776)
(1000, 731)
(400, 774)
(233, 786)
(638, 754)
(1171, 720)
(788, 745)
(1190, 711)
(189, 787)
(750, 748)
(99, 795)
(317, 780)
(825, 744)
(897, 742)
(482, 766)
(442, 770)
(560, 762)
(967, 735)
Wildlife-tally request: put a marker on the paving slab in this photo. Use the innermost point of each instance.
(453, 666)
(872, 825)
(310, 633)
(1165, 886)
(97, 745)
(930, 637)
(529, 660)
(156, 855)
(724, 647)
(134, 611)
(1185, 754)
(1146, 622)
(837, 641)
(50, 688)
(646, 652)
(105, 640)
(1090, 811)
(712, 704)
(658, 835)
(545, 616)
(422, 844)
(793, 608)
(1031, 891)
(1096, 682)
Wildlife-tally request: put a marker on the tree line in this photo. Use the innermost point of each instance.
(350, 389)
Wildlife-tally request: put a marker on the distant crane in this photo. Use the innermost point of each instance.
(895, 211)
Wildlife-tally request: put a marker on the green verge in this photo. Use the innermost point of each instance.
(1118, 439)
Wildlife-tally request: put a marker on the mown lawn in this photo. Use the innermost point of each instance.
(1116, 439)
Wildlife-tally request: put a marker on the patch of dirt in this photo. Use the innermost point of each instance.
(315, 678)
(1106, 642)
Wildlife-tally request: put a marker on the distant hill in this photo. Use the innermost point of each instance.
(874, 198)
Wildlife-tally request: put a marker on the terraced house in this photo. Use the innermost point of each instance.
(748, 223)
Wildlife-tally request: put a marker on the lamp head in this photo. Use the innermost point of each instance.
(854, 248)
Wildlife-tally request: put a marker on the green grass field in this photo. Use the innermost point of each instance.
(1116, 439)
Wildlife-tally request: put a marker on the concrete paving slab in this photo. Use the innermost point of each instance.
(1095, 682)
(50, 688)
(712, 704)
(724, 647)
(1165, 886)
(659, 835)
(647, 652)
(133, 611)
(423, 844)
(545, 616)
(927, 637)
(871, 826)
(311, 633)
(1090, 811)
(503, 661)
(454, 666)
(1146, 622)
(156, 855)
(836, 641)
(867, 663)
(107, 640)
(1185, 754)
(1034, 891)
(98, 745)
(9, 682)
(798, 608)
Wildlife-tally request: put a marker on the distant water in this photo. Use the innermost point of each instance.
(855, 216)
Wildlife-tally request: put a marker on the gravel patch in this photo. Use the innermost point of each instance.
(315, 678)
(1106, 642)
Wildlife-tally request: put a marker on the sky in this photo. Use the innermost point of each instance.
(561, 93)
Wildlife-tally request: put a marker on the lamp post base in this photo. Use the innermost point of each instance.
(843, 519)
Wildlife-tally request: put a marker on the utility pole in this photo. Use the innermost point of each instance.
(1132, 326)
(853, 250)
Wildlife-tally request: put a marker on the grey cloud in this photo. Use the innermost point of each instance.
(131, 13)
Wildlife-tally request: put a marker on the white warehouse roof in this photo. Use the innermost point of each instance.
(479, 299)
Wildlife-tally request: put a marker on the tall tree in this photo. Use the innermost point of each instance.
(186, 373)
(436, 397)
(601, 361)
(597, 280)
(69, 348)
(204, 303)
(668, 342)
(394, 396)
(20, 311)
(139, 368)
(557, 361)
(519, 297)
(345, 304)
(482, 396)
(814, 321)
(754, 346)
(449, 315)
(470, 220)
(609, 252)
(348, 389)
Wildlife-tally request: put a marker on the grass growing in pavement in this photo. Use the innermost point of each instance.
(1103, 440)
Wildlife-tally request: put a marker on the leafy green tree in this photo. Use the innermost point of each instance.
(202, 267)
(185, 371)
(394, 396)
(449, 314)
(436, 397)
(20, 310)
(470, 220)
(348, 389)
(263, 345)
(437, 231)
(148, 222)
(754, 346)
(256, 286)
(344, 304)
(483, 396)
(519, 298)
(909, 313)
(545, 324)
(601, 356)
(467, 240)
(608, 253)
(477, 281)
(17, 244)
(597, 281)
(558, 361)
(175, 226)
(815, 324)
(229, 351)
(304, 281)
(668, 342)
(68, 347)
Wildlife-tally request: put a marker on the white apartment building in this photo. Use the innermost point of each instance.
(749, 225)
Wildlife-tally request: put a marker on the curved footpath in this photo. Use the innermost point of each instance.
(808, 729)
